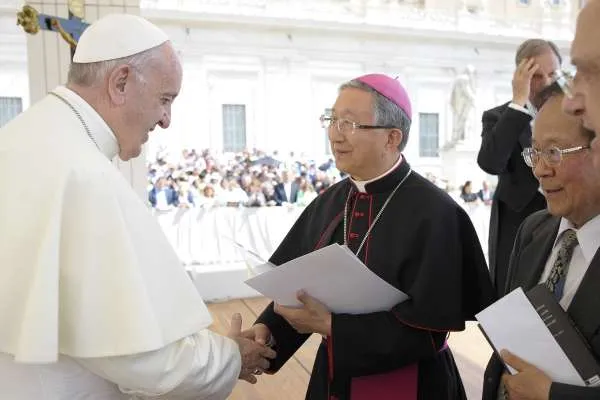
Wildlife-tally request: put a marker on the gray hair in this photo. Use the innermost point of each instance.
(554, 90)
(90, 74)
(386, 112)
(535, 47)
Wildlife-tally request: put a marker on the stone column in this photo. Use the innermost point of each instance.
(49, 57)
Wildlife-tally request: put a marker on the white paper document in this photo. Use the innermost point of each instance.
(513, 324)
(254, 263)
(334, 276)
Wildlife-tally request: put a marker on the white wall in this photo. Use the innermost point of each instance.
(13, 55)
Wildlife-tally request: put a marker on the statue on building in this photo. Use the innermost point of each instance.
(462, 101)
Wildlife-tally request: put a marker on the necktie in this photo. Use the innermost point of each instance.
(558, 273)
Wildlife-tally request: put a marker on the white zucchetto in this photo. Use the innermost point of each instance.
(116, 36)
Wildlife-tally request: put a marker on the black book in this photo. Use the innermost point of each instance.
(558, 322)
(565, 333)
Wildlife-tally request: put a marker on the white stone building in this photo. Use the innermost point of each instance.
(258, 73)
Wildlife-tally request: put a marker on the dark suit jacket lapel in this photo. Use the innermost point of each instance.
(535, 254)
(585, 308)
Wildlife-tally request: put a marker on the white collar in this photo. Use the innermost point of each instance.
(99, 129)
(588, 236)
(361, 185)
(531, 108)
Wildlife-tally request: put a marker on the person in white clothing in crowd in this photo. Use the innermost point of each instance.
(94, 302)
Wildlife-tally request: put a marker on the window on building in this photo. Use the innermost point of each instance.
(234, 127)
(10, 107)
(523, 2)
(429, 135)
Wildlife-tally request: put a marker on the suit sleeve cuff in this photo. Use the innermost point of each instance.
(519, 107)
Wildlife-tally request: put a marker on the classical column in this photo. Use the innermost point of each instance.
(49, 57)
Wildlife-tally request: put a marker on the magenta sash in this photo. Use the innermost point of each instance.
(399, 384)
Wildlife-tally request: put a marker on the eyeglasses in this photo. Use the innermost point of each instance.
(552, 155)
(564, 79)
(346, 126)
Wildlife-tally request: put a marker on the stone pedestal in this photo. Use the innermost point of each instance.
(49, 57)
(460, 164)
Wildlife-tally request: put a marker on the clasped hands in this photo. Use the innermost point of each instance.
(312, 317)
(255, 355)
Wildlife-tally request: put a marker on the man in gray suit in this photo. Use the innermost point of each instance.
(557, 246)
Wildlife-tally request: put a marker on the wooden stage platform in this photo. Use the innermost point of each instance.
(470, 349)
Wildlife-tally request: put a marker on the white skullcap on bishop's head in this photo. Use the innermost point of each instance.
(117, 36)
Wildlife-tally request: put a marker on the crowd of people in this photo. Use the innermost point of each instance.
(250, 178)
(254, 179)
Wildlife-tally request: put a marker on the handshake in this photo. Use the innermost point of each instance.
(254, 348)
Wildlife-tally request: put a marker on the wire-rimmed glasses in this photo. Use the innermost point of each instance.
(344, 125)
(552, 155)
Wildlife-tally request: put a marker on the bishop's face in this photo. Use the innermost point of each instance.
(361, 153)
(153, 91)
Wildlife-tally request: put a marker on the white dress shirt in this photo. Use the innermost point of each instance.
(588, 237)
(529, 108)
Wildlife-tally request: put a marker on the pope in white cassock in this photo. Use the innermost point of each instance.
(94, 303)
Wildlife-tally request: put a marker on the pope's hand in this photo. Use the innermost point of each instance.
(255, 356)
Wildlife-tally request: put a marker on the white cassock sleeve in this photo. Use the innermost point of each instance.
(202, 366)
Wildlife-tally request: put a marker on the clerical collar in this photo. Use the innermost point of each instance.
(385, 181)
(99, 130)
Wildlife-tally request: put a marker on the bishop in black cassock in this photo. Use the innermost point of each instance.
(408, 232)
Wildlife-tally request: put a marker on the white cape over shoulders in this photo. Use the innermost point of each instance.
(85, 270)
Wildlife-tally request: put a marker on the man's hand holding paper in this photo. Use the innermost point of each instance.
(361, 291)
(312, 317)
(529, 383)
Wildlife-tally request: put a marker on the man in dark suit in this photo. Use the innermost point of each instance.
(287, 190)
(558, 247)
(506, 131)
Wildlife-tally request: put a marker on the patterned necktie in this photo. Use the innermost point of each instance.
(558, 274)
